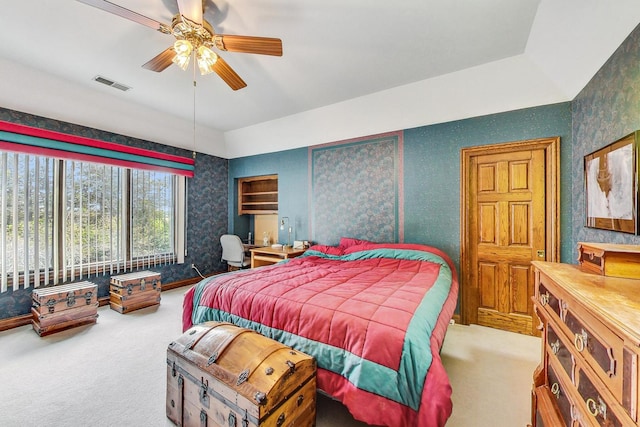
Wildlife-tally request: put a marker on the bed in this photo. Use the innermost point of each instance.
(374, 315)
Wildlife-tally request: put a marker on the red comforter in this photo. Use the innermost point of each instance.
(373, 315)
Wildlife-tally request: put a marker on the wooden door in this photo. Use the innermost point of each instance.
(507, 224)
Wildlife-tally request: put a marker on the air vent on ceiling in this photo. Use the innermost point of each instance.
(108, 82)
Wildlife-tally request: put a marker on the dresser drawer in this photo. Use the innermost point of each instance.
(598, 346)
(547, 298)
(546, 414)
(630, 391)
(595, 404)
(591, 346)
(591, 259)
(558, 390)
(560, 350)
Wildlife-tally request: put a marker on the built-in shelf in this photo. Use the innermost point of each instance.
(258, 195)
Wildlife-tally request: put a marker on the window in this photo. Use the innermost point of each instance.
(63, 220)
(26, 217)
(152, 215)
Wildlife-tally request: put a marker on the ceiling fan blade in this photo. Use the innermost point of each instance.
(227, 74)
(248, 44)
(191, 9)
(107, 6)
(161, 61)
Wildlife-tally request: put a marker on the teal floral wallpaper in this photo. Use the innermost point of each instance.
(607, 109)
(425, 175)
(355, 188)
(432, 170)
(428, 178)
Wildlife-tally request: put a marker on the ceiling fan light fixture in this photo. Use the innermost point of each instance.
(206, 59)
(181, 61)
(192, 32)
(183, 49)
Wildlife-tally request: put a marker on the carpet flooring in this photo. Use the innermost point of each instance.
(113, 373)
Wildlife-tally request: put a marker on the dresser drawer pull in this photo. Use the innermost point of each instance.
(612, 363)
(555, 389)
(597, 408)
(563, 310)
(575, 414)
(544, 299)
(555, 346)
(580, 340)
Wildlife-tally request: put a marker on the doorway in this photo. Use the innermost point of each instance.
(509, 217)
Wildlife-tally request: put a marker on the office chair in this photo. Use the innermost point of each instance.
(233, 252)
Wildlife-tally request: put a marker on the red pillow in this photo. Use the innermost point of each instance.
(329, 250)
(346, 242)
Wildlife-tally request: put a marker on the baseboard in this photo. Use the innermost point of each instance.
(186, 282)
(14, 322)
(25, 319)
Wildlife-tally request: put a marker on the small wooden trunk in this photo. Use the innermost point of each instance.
(219, 374)
(132, 291)
(62, 307)
(608, 259)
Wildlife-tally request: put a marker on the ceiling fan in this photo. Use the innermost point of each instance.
(194, 34)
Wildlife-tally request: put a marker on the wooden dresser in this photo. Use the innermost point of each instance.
(590, 326)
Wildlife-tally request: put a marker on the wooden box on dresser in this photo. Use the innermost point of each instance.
(590, 326)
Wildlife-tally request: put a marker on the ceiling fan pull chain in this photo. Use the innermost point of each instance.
(194, 111)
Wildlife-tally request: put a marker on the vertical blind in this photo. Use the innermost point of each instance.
(92, 199)
(64, 218)
(151, 235)
(26, 218)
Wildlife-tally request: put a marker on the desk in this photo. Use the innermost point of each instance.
(268, 255)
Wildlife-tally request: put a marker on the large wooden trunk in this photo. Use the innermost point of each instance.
(132, 291)
(219, 374)
(57, 308)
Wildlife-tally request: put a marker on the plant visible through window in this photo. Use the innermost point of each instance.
(64, 219)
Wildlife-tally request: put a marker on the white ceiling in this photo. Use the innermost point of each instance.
(349, 68)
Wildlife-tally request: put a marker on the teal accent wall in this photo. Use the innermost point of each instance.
(432, 169)
(431, 173)
(607, 109)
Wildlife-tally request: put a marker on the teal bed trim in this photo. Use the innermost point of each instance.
(403, 386)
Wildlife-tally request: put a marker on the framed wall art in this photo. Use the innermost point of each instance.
(611, 194)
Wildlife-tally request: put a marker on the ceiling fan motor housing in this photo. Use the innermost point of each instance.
(198, 35)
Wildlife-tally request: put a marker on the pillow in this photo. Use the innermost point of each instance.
(346, 242)
(329, 250)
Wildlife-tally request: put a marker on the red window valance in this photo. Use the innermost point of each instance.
(26, 139)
